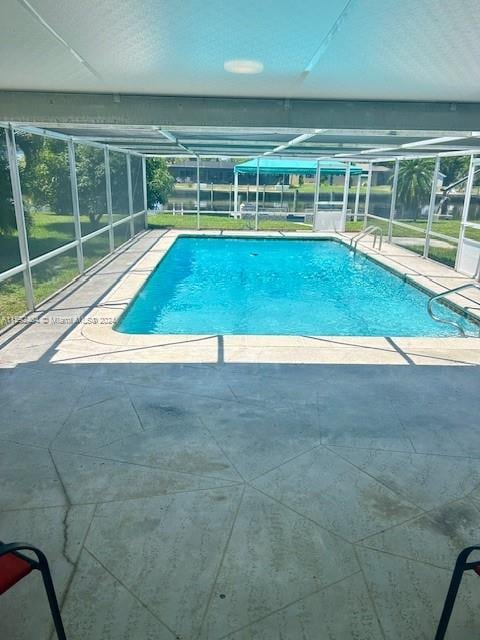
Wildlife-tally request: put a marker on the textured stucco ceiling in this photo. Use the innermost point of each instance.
(322, 49)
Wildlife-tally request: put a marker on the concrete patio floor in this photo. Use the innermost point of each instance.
(228, 500)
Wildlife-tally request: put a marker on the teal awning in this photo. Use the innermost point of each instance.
(296, 166)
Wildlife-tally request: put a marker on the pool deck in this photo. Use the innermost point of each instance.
(248, 488)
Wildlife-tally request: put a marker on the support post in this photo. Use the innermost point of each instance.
(394, 199)
(198, 192)
(230, 200)
(367, 194)
(316, 192)
(431, 207)
(108, 187)
(346, 187)
(145, 200)
(235, 194)
(466, 206)
(256, 194)
(130, 194)
(75, 205)
(357, 198)
(316, 196)
(20, 217)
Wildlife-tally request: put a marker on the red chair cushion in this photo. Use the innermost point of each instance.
(477, 569)
(12, 570)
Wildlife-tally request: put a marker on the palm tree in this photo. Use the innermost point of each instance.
(454, 168)
(414, 184)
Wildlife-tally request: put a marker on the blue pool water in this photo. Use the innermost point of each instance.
(278, 287)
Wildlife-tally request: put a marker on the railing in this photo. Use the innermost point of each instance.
(452, 323)
(129, 192)
(376, 231)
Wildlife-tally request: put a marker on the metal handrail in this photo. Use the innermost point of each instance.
(370, 229)
(452, 323)
(361, 234)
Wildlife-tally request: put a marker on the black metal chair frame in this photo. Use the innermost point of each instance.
(40, 564)
(461, 566)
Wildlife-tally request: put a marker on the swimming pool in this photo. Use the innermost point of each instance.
(264, 286)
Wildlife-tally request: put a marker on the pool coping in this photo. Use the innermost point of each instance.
(98, 326)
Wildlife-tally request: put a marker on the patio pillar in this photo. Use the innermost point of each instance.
(431, 206)
(20, 216)
(256, 194)
(367, 194)
(316, 192)
(198, 192)
(346, 186)
(108, 188)
(130, 194)
(394, 199)
(466, 206)
(235, 194)
(357, 197)
(75, 205)
(145, 200)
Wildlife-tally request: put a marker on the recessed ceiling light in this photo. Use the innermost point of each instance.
(243, 66)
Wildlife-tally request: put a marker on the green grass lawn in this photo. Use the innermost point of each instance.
(445, 227)
(354, 226)
(451, 228)
(167, 221)
(47, 232)
(445, 255)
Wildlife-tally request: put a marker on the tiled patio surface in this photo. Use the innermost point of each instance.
(227, 498)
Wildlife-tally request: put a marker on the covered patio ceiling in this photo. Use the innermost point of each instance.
(316, 50)
(342, 79)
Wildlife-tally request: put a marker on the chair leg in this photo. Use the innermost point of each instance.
(52, 598)
(460, 567)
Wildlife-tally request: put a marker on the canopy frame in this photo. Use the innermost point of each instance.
(296, 166)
